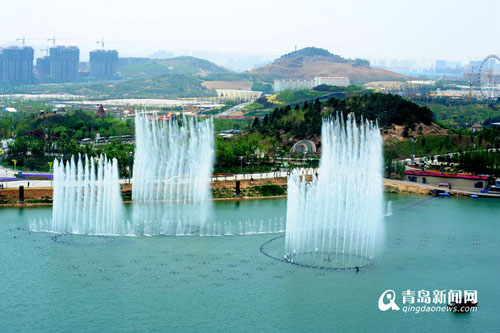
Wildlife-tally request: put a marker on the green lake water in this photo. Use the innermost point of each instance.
(225, 284)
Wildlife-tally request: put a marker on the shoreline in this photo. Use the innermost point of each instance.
(227, 190)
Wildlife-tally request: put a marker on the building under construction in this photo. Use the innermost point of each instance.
(103, 64)
(61, 65)
(16, 65)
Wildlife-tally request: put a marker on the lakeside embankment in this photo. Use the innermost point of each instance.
(221, 190)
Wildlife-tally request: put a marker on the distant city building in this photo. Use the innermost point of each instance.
(473, 66)
(440, 64)
(451, 69)
(103, 64)
(16, 65)
(282, 85)
(407, 63)
(83, 66)
(453, 64)
(472, 77)
(64, 63)
(60, 66)
(43, 68)
(382, 63)
(341, 81)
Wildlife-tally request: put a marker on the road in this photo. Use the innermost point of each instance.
(451, 191)
(232, 110)
(233, 177)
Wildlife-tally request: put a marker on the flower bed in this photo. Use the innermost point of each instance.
(34, 176)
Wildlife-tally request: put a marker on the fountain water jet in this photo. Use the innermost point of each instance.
(333, 220)
(172, 172)
(86, 199)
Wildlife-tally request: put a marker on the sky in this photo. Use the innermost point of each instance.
(386, 29)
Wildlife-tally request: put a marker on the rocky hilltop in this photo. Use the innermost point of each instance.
(311, 62)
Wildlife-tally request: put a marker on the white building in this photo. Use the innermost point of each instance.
(282, 85)
(242, 95)
(340, 81)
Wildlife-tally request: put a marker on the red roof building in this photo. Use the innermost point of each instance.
(101, 112)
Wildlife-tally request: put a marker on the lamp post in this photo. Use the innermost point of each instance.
(413, 151)
(277, 150)
(241, 164)
(129, 154)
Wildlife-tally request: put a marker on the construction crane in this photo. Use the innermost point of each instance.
(53, 39)
(23, 39)
(102, 42)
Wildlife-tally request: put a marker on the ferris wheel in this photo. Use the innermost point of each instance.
(489, 77)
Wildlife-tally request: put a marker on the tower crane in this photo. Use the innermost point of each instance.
(23, 39)
(102, 42)
(53, 39)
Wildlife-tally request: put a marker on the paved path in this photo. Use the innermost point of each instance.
(451, 191)
(232, 177)
(245, 176)
(263, 175)
(10, 173)
(232, 110)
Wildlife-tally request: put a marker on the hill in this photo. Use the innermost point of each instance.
(304, 121)
(310, 62)
(179, 65)
(164, 86)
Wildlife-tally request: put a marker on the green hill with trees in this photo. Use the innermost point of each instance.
(179, 65)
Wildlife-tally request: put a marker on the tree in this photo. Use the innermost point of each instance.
(255, 122)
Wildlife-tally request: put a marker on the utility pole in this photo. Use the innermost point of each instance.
(53, 39)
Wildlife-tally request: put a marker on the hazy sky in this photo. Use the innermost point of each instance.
(417, 29)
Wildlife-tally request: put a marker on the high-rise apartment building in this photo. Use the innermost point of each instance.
(60, 66)
(103, 64)
(16, 65)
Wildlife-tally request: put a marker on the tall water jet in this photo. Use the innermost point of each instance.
(172, 173)
(86, 199)
(333, 221)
